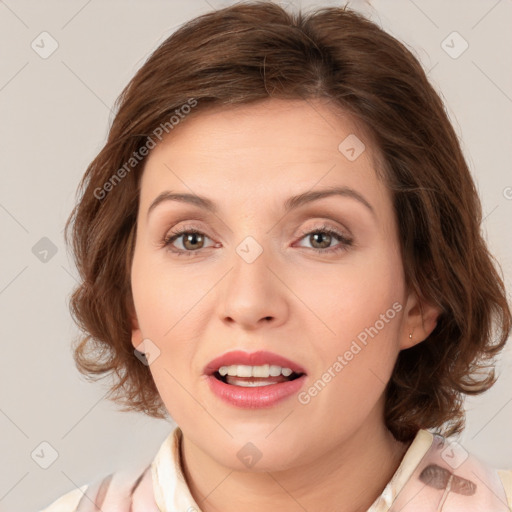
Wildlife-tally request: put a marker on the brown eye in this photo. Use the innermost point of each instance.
(322, 237)
(192, 240)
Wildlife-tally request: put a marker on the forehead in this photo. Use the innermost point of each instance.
(250, 151)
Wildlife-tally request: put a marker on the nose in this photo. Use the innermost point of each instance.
(253, 294)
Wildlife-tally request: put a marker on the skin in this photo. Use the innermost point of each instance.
(334, 453)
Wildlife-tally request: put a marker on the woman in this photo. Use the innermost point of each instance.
(283, 223)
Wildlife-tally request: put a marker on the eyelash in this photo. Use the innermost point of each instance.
(174, 235)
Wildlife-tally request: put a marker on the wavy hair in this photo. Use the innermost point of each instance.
(254, 51)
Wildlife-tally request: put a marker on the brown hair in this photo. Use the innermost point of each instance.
(249, 52)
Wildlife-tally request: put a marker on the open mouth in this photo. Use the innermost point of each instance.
(254, 380)
(255, 376)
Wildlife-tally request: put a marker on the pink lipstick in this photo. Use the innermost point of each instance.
(254, 380)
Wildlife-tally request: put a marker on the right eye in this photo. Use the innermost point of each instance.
(191, 237)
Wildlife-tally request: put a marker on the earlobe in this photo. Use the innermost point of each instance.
(136, 337)
(420, 320)
(136, 331)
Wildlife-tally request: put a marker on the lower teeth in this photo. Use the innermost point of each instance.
(249, 384)
(252, 383)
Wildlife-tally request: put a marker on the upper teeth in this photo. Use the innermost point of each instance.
(266, 370)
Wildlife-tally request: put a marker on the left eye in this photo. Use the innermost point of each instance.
(326, 236)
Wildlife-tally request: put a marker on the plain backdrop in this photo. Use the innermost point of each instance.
(55, 113)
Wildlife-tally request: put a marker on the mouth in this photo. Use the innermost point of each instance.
(251, 380)
(255, 376)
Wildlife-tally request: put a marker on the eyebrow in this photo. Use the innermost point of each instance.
(291, 203)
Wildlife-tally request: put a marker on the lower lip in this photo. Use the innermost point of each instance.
(255, 397)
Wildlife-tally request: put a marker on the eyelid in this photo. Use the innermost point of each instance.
(325, 223)
(191, 224)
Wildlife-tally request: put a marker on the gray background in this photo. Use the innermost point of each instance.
(55, 115)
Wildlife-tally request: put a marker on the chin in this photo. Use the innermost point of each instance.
(256, 452)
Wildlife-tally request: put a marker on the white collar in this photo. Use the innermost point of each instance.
(169, 484)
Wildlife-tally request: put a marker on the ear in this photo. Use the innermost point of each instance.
(137, 336)
(420, 319)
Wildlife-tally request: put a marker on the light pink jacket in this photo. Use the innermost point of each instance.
(435, 475)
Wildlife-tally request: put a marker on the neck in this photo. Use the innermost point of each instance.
(348, 478)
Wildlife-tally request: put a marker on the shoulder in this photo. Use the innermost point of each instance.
(433, 464)
(68, 502)
(117, 491)
(506, 480)
(123, 490)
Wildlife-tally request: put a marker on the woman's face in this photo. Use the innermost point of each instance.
(265, 273)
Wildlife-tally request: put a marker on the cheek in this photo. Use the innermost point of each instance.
(360, 307)
(163, 298)
(345, 300)
(356, 360)
(164, 302)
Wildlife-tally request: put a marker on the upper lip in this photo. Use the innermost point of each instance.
(251, 359)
